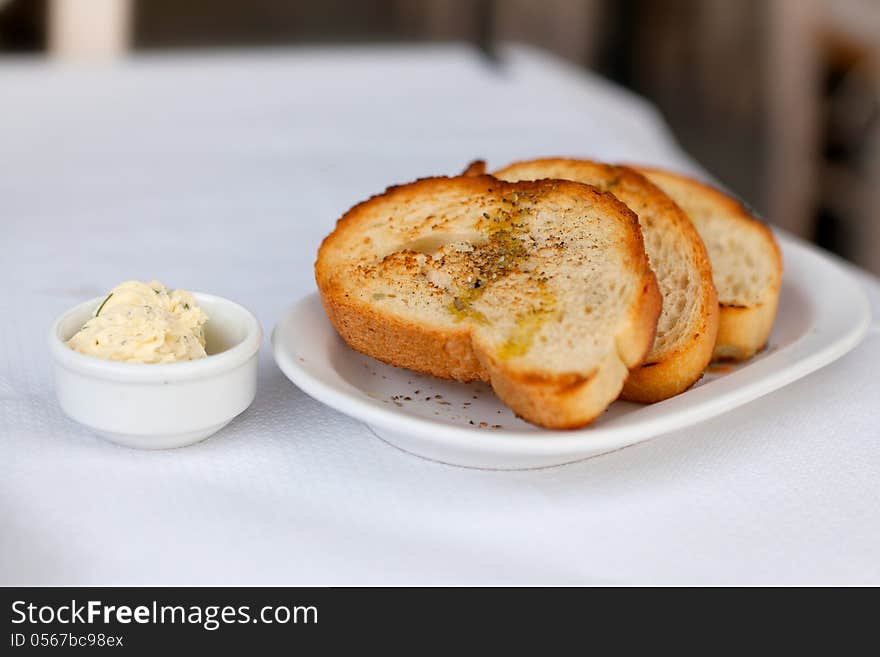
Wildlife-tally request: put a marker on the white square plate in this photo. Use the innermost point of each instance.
(823, 314)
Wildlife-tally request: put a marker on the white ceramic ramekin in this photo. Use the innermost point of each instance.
(152, 406)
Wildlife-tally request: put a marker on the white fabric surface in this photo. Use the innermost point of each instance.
(221, 173)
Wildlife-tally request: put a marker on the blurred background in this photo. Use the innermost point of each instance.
(780, 99)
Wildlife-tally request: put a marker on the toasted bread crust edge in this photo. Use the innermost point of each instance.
(680, 368)
(475, 168)
(654, 382)
(742, 330)
(557, 402)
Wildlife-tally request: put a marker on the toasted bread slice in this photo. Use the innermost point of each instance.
(746, 262)
(542, 289)
(689, 320)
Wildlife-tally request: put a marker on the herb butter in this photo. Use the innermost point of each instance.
(144, 323)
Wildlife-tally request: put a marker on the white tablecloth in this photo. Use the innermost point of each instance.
(220, 173)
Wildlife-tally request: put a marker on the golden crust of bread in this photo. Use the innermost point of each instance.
(670, 369)
(679, 368)
(743, 329)
(475, 168)
(547, 398)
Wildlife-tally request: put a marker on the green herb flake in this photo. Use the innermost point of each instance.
(101, 307)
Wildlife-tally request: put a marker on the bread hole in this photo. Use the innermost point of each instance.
(430, 244)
